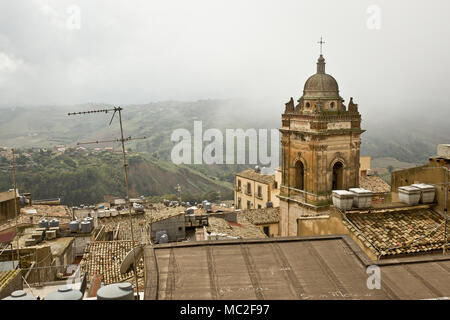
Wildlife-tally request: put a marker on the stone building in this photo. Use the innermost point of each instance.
(435, 172)
(253, 189)
(320, 149)
(9, 210)
(364, 166)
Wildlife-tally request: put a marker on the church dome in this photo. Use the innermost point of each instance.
(321, 85)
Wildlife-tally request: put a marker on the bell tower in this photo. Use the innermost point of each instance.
(320, 139)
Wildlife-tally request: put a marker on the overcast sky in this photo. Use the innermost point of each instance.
(386, 54)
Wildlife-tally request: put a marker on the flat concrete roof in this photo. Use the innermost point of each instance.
(321, 267)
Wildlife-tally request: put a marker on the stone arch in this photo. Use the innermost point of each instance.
(299, 177)
(337, 176)
(300, 168)
(299, 157)
(338, 158)
(337, 169)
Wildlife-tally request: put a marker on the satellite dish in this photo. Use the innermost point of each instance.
(128, 262)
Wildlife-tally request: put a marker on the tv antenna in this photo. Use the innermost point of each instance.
(125, 166)
(178, 188)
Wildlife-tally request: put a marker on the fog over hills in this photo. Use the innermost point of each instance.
(409, 137)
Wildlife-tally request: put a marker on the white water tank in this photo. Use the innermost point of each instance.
(85, 226)
(116, 291)
(409, 195)
(74, 226)
(427, 192)
(54, 223)
(342, 199)
(362, 197)
(20, 295)
(43, 223)
(65, 293)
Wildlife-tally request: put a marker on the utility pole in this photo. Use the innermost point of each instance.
(15, 205)
(125, 167)
(178, 188)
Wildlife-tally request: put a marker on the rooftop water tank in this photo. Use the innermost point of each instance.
(88, 221)
(342, 199)
(409, 195)
(20, 295)
(65, 293)
(116, 291)
(74, 226)
(85, 226)
(164, 238)
(427, 192)
(54, 223)
(43, 223)
(362, 197)
(159, 234)
(207, 206)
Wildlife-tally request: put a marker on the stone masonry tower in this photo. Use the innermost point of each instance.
(320, 149)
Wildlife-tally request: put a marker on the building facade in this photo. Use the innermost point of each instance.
(8, 209)
(436, 173)
(364, 166)
(320, 139)
(253, 190)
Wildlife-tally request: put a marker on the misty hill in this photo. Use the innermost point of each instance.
(408, 137)
(80, 178)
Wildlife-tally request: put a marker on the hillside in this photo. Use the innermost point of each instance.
(397, 140)
(406, 137)
(80, 178)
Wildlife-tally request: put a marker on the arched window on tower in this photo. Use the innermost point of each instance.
(299, 176)
(332, 105)
(307, 105)
(338, 176)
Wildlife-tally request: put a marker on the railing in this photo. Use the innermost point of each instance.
(304, 197)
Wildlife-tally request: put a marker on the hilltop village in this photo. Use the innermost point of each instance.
(306, 230)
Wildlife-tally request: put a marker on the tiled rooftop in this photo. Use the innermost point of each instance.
(139, 221)
(105, 257)
(374, 184)
(262, 216)
(253, 175)
(397, 231)
(32, 215)
(243, 229)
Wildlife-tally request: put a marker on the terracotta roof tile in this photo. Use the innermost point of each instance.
(374, 184)
(399, 232)
(262, 216)
(243, 229)
(253, 175)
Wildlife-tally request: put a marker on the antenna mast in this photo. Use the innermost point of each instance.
(15, 205)
(125, 166)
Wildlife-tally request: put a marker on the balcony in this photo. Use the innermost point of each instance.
(305, 197)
